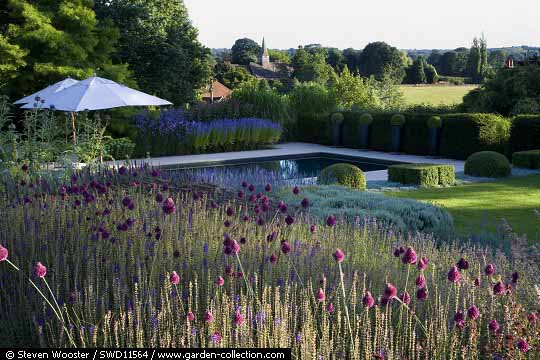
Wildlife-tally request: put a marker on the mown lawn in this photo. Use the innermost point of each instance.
(481, 206)
(435, 94)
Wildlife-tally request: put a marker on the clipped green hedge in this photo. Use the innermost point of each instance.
(380, 132)
(487, 164)
(120, 148)
(525, 133)
(422, 174)
(343, 174)
(314, 128)
(466, 134)
(527, 159)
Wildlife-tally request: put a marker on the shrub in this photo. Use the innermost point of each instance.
(465, 134)
(527, 159)
(397, 120)
(487, 164)
(336, 118)
(343, 174)
(380, 130)
(314, 128)
(263, 102)
(119, 149)
(434, 122)
(415, 134)
(422, 174)
(366, 119)
(312, 98)
(525, 133)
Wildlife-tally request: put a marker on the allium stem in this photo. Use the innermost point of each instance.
(345, 303)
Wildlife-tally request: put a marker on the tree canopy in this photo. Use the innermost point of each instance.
(245, 51)
(382, 61)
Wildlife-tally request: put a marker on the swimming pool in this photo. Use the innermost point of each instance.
(286, 168)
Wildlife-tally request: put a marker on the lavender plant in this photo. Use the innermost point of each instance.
(132, 262)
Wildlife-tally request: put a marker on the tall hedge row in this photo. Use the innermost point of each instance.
(465, 134)
(460, 135)
(525, 133)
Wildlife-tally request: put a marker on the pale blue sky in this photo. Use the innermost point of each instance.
(354, 23)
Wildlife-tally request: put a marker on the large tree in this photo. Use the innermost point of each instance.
(453, 63)
(310, 65)
(45, 41)
(352, 59)
(383, 62)
(245, 51)
(160, 45)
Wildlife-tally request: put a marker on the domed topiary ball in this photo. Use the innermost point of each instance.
(487, 164)
(336, 118)
(397, 120)
(366, 119)
(434, 122)
(343, 174)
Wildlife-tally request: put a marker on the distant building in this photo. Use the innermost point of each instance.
(509, 64)
(216, 92)
(265, 69)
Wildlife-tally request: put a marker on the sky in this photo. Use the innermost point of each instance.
(412, 24)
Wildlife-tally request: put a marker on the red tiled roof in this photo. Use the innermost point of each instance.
(219, 90)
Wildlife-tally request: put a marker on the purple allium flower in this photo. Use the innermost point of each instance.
(174, 278)
(331, 221)
(238, 318)
(227, 223)
(244, 184)
(208, 317)
(260, 221)
(24, 167)
(216, 337)
(220, 281)
(296, 190)
(285, 247)
(390, 291)
(169, 207)
(313, 228)
(420, 281)
(454, 275)
(523, 345)
(410, 256)
(498, 288)
(489, 270)
(459, 316)
(422, 294)
(122, 170)
(273, 259)
(230, 211)
(159, 197)
(494, 326)
(3, 253)
(154, 173)
(330, 307)
(405, 298)
(460, 324)
(289, 220)
(40, 270)
(473, 313)
(320, 295)
(339, 255)
(397, 253)
(298, 337)
(477, 282)
(368, 301)
(305, 203)
(462, 264)
(268, 188)
(240, 194)
(251, 188)
(515, 277)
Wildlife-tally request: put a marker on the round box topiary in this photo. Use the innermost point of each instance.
(397, 120)
(487, 164)
(434, 122)
(365, 119)
(336, 118)
(343, 174)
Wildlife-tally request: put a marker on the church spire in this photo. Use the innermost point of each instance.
(264, 59)
(264, 49)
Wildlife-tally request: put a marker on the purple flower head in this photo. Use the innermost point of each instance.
(244, 184)
(390, 291)
(190, 316)
(397, 253)
(268, 188)
(410, 256)
(405, 298)
(494, 326)
(368, 301)
(174, 278)
(24, 167)
(159, 197)
(339, 255)
(230, 211)
(422, 264)
(208, 317)
(473, 313)
(498, 288)
(285, 247)
(515, 277)
(238, 318)
(420, 281)
(289, 220)
(477, 282)
(40, 270)
(313, 228)
(422, 294)
(489, 270)
(462, 264)
(305, 203)
(296, 190)
(330, 307)
(3, 253)
(273, 259)
(321, 296)
(216, 337)
(251, 188)
(454, 275)
(169, 207)
(122, 170)
(220, 281)
(240, 194)
(331, 221)
(523, 346)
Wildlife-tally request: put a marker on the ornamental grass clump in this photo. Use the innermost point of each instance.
(351, 289)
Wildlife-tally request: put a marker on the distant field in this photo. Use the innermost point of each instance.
(435, 94)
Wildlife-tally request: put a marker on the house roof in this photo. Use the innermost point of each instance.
(277, 71)
(219, 90)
